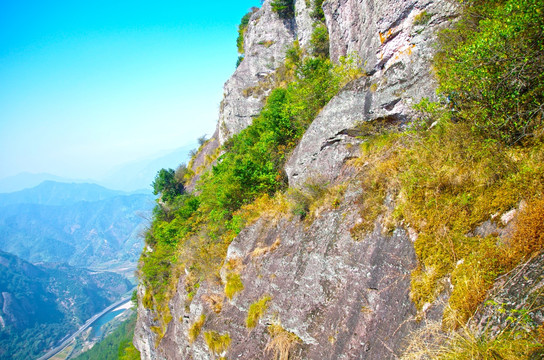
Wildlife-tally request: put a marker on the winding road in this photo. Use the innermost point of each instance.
(89, 322)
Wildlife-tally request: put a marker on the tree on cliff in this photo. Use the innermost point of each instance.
(284, 8)
(165, 183)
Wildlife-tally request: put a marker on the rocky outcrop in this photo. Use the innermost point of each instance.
(266, 39)
(325, 287)
(515, 300)
(380, 31)
(396, 45)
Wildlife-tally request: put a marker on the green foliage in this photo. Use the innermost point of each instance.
(165, 183)
(284, 8)
(256, 311)
(117, 345)
(239, 60)
(491, 68)
(217, 343)
(242, 30)
(317, 12)
(320, 41)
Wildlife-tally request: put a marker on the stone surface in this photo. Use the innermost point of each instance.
(304, 22)
(399, 75)
(266, 39)
(380, 30)
(344, 299)
(521, 288)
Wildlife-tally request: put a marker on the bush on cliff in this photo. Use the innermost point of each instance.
(191, 233)
(491, 68)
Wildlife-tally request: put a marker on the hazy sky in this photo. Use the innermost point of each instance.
(85, 85)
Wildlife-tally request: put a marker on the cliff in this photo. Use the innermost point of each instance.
(361, 240)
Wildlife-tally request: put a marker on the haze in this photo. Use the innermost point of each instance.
(88, 85)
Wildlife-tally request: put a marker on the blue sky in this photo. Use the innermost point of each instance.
(86, 85)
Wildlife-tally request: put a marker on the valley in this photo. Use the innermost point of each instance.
(68, 254)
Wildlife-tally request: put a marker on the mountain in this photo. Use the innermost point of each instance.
(373, 191)
(81, 224)
(27, 180)
(140, 174)
(59, 193)
(40, 304)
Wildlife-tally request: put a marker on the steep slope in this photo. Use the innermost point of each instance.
(399, 213)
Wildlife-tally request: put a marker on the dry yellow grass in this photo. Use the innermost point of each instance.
(281, 341)
(260, 251)
(214, 301)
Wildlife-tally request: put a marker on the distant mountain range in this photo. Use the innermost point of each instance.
(58, 193)
(133, 176)
(40, 304)
(140, 174)
(28, 180)
(80, 224)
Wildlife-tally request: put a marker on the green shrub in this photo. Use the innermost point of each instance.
(319, 41)
(491, 68)
(242, 29)
(284, 8)
(165, 183)
(317, 12)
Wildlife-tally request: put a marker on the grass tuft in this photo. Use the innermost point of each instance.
(281, 341)
(256, 311)
(195, 328)
(233, 285)
(216, 342)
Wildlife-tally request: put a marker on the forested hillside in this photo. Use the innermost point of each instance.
(41, 304)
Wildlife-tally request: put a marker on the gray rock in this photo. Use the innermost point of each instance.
(344, 299)
(399, 75)
(380, 31)
(266, 40)
(144, 339)
(516, 295)
(304, 22)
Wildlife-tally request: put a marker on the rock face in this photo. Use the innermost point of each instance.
(519, 289)
(342, 298)
(396, 48)
(266, 39)
(325, 287)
